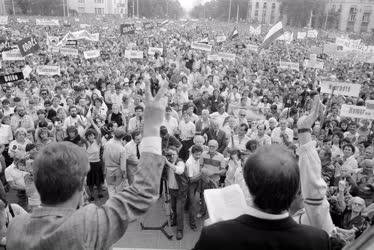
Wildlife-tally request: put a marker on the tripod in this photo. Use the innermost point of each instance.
(166, 202)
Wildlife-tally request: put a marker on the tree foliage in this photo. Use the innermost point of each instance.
(157, 8)
(219, 9)
(24, 6)
(298, 12)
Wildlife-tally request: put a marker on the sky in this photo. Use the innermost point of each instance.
(189, 4)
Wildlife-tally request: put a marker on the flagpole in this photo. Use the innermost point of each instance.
(229, 12)
(14, 10)
(237, 14)
(63, 7)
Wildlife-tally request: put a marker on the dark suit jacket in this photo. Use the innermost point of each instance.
(248, 232)
(220, 138)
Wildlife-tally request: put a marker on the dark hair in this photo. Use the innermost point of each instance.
(135, 133)
(350, 146)
(59, 172)
(245, 126)
(139, 108)
(90, 132)
(196, 148)
(273, 178)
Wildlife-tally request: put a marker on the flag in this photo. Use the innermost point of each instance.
(234, 33)
(275, 32)
(164, 22)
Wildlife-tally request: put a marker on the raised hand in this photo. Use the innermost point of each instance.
(154, 111)
(307, 121)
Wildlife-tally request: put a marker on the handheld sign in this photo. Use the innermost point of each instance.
(12, 55)
(127, 29)
(289, 65)
(314, 64)
(152, 51)
(133, 54)
(214, 58)
(11, 77)
(28, 46)
(68, 52)
(227, 56)
(91, 54)
(4, 45)
(360, 112)
(201, 46)
(341, 88)
(46, 22)
(48, 70)
(221, 39)
(71, 43)
(3, 20)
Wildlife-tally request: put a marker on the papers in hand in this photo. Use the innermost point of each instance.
(225, 203)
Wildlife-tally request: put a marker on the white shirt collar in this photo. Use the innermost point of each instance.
(262, 215)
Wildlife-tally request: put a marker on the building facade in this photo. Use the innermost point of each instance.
(354, 15)
(264, 11)
(99, 7)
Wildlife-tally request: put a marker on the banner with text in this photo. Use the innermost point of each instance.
(314, 64)
(23, 20)
(47, 22)
(11, 77)
(340, 88)
(227, 56)
(127, 28)
(152, 51)
(359, 112)
(12, 55)
(133, 54)
(3, 20)
(28, 46)
(48, 70)
(201, 46)
(69, 52)
(91, 54)
(289, 65)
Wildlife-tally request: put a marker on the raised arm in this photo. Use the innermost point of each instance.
(313, 187)
(112, 219)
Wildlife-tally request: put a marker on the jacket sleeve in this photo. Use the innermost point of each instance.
(313, 188)
(107, 224)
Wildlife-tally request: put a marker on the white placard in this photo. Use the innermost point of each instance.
(227, 56)
(48, 70)
(84, 25)
(133, 54)
(369, 104)
(312, 34)
(91, 54)
(221, 39)
(301, 35)
(3, 20)
(47, 22)
(22, 20)
(69, 51)
(289, 65)
(201, 46)
(26, 71)
(252, 47)
(55, 49)
(12, 55)
(95, 37)
(214, 58)
(314, 64)
(341, 88)
(359, 112)
(152, 51)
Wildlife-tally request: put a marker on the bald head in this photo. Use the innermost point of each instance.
(273, 178)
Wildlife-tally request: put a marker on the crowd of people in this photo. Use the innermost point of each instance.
(218, 114)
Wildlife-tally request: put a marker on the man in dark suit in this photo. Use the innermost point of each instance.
(273, 178)
(214, 133)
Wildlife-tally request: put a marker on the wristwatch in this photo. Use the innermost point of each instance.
(304, 130)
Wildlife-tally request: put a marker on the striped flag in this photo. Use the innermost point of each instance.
(234, 33)
(275, 32)
(164, 22)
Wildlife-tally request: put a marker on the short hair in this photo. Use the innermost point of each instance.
(59, 172)
(350, 146)
(245, 126)
(119, 134)
(135, 133)
(196, 149)
(139, 108)
(89, 132)
(273, 178)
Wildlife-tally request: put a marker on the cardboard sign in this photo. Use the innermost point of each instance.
(47, 22)
(127, 29)
(369, 104)
(12, 55)
(69, 52)
(71, 43)
(84, 25)
(11, 77)
(201, 46)
(341, 88)
(55, 49)
(91, 54)
(227, 56)
(289, 65)
(48, 70)
(301, 35)
(255, 31)
(252, 47)
(4, 45)
(314, 64)
(95, 37)
(221, 39)
(359, 112)
(152, 51)
(22, 20)
(312, 34)
(3, 20)
(133, 54)
(28, 46)
(214, 58)
(315, 50)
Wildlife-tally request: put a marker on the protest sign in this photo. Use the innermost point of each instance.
(84, 25)
(71, 43)
(12, 55)
(127, 28)
(3, 20)
(22, 20)
(252, 47)
(201, 46)
(69, 51)
(255, 31)
(148, 26)
(214, 58)
(28, 46)
(47, 22)
(11, 77)
(133, 54)
(314, 64)
(301, 35)
(52, 40)
(341, 88)
(48, 70)
(91, 54)
(95, 37)
(26, 71)
(289, 65)
(221, 39)
(227, 56)
(369, 104)
(315, 50)
(312, 34)
(55, 49)
(359, 112)
(153, 50)
(4, 45)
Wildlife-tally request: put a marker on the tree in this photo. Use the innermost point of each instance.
(156, 8)
(24, 5)
(298, 12)
(219, 9)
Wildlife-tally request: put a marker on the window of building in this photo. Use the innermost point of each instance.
(99, 1)
(273, 5)
(366, 17)
(265, 5)
(352, 15)
(99, 11)
(256, 13)
(80, 1)
(257, 5)
(81, 9)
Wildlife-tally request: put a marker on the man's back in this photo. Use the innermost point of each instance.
(248, 232)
